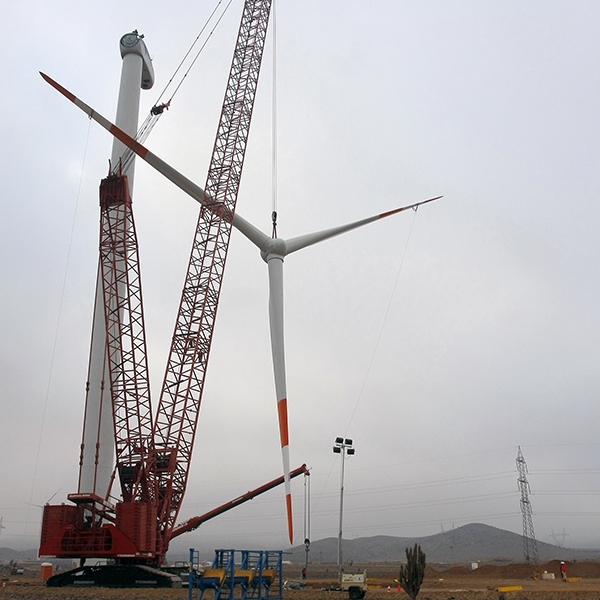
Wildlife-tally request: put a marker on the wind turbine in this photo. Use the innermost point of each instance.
(272, 249)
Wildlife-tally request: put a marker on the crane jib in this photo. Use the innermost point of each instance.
(177, 414)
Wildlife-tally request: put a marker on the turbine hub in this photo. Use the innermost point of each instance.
(276, 248)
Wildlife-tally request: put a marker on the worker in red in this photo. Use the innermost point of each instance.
(563, 570)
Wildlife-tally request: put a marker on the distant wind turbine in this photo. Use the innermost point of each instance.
(47, 501)
(273, 251)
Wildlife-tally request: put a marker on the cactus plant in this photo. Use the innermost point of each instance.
(411, 574)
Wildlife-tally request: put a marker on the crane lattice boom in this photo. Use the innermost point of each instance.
(177, 414)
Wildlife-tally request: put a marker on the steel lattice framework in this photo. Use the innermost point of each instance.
(529, 543)
(126, 342)
(179, 406)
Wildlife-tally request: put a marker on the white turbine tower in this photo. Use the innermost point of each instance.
(273, 251)
(98, 445)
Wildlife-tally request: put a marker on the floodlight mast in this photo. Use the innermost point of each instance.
(343, 446)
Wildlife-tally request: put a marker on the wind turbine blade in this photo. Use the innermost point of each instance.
(255, 235)
(309, 239)
(275, 265)
(182, 182)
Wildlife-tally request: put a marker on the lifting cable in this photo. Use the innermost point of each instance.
(158, 108)
(274, 126)
(376, 348)
(56, 333)
(383, 323)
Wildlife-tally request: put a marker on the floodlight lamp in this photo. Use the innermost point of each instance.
(348, 442)
(350, 451)
(339, 440)
(337, 449)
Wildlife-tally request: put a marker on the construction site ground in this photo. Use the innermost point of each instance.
(454, 583)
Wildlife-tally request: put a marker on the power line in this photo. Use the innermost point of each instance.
(437, 483)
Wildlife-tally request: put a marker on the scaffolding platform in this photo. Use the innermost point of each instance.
(238, 575)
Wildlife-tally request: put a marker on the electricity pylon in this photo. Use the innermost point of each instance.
(529, 544)
(559, 538)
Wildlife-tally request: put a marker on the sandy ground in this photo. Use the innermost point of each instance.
(457, 583)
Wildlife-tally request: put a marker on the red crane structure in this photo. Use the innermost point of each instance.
(153, 454)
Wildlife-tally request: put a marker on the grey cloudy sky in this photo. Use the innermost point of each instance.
(439, 341)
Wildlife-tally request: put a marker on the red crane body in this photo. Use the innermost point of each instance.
(153, 458)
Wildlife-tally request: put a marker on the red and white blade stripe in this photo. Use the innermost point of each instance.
(118, 133)
(182, 182)
(285, 453)
(389, 213)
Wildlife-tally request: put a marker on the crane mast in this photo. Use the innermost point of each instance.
(177, 415)
(125, 339)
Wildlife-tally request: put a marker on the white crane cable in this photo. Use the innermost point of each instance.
(274, 125)
(56, 330)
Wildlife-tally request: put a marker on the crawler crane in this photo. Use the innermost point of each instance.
(153, 454)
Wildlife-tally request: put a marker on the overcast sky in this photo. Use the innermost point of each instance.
(439, 341)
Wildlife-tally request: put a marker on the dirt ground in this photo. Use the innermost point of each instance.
(455, 583)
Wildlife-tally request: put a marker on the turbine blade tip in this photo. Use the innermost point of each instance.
(288, 502)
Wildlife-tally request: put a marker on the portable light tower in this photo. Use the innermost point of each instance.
(344, 447)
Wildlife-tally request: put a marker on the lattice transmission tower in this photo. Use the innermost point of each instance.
(559, 538)
(529, 544)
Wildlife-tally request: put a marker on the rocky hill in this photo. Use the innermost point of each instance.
(8, 554)
(470, 543)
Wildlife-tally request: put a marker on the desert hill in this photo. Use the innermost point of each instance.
(475, 542)
(8, 554)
